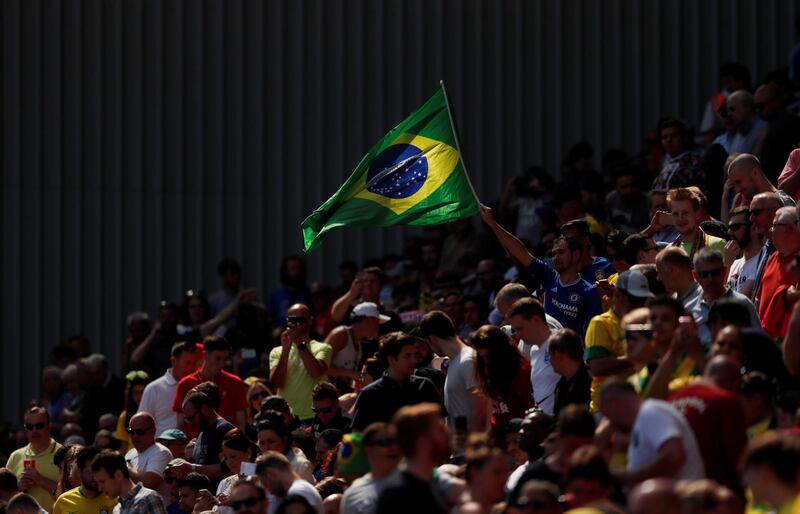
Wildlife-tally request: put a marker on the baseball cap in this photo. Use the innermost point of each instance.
(634, 283)
(369, 310)
(172, 434)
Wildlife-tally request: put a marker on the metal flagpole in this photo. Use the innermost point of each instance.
(458, 146)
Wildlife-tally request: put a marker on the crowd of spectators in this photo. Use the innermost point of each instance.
(621, 340)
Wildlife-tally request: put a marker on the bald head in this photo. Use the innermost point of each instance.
(142, 428)
(655, 496)
(508, 294)
(786, 215)
(741, 97)
(769, 101)
(724, 372)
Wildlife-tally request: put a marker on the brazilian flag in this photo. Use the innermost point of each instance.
(413, 176)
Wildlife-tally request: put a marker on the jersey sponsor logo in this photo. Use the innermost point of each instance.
(599, 274)
(569, 310)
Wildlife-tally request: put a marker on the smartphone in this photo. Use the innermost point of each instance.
(248, 353)
(665, 218)
(247, 469)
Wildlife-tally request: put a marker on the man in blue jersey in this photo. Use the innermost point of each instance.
(567, 297)
(591, 268)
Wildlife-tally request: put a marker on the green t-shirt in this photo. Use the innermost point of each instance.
(45, 467)
(74, 502)
(297, 387)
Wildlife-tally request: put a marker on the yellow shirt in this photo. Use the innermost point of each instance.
(44, 465)
(298, 383)
(121, 433)
(685, 373)
(74, 502)
(603, 339)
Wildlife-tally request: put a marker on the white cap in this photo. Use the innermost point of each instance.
(369, 310)
(634, 283)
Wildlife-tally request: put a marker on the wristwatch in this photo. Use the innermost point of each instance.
(302, 346)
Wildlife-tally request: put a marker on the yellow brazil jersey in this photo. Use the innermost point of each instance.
(74, 502)
(684, 373)
(603, 339)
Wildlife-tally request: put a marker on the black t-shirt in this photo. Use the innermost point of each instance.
(577, 389)
(209, 442)
(404, 493)
(382, 398)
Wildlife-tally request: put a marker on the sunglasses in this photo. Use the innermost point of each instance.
(297, 320)
(733, 227)
(757, 212)
(322, 410)
(710, 273)
(247, 502)
(35, 426)
(139, 431)
(383, 442)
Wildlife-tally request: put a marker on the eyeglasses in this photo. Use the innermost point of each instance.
(139, 431)
(246, 502)
(383, 442)
(776, 225)
(710, 273)
(30, 427)
(733, 227)
(322, 410)
(259, 396)
(297, 320)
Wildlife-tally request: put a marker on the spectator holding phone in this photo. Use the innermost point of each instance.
(299, 363)
(33, 464)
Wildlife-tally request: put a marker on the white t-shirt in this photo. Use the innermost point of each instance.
(154, 459)
(307, 491)
(657, 423)
(157, 400)
(543, 378)
(458, 385)
(515, 475)
(742, 275)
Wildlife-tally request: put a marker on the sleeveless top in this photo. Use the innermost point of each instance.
(348, 357)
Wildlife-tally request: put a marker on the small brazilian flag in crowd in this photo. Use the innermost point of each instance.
(413, 176)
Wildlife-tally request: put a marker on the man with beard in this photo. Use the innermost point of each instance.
(568, 298)
(275, 472)
(86, 497)
(198, 410)
(741, 252)
(424, 441)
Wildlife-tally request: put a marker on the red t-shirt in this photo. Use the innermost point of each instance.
(717, 420)
(232, 393)
(513, 405)
(774, 281)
